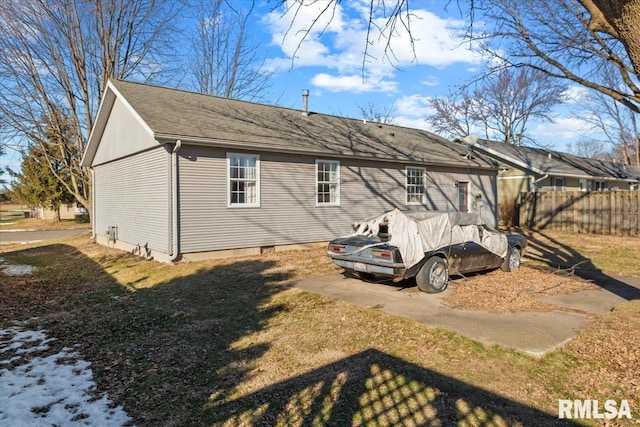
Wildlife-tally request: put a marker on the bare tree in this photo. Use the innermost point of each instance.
(617, 123)
(591, 149)
(567, 39)
(225, 62)
(454, 115)
(56, 60)
(502, 105)
(559, 39)
(375, 113)
(619, 19)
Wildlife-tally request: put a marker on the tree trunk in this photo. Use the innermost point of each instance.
(621, 19)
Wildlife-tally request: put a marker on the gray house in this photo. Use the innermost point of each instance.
(181, 174)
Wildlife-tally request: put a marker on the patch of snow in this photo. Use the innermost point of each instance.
(18, 270)
(56, 389)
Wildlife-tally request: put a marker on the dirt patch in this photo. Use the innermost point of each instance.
(500, 292)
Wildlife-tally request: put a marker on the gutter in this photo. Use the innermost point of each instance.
(503, 157)
(238, 145)
(173, 208)
(535, 182)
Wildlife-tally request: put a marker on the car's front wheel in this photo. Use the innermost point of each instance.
(512, 261)
(433, 276)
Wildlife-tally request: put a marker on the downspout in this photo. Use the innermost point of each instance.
(173, 233)
(533, 184)
(93, 203)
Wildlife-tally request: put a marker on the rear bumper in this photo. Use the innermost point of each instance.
(390, 270)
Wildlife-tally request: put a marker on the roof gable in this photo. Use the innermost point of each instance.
(123, 135)
(125, 121)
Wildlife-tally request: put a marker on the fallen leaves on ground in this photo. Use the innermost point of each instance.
(500, 292)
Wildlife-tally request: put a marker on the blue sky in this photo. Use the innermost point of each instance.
(330, 65)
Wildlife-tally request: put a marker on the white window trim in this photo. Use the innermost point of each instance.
(243, 205)
(599, 183)
(337, 202)
(554, 187)
(406, 186)
(469, 201)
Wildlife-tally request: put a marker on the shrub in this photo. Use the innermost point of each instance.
(508, 212)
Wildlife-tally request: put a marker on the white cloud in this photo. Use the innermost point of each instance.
(411, 122)
(293, 29)
(414, 106)
(431, 81)
(561, 128)
(412, 111)
(575, 95)
(336, 41)
(438, 41)
(353, 83)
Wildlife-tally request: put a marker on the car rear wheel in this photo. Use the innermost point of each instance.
(433, 276)
(512, 261)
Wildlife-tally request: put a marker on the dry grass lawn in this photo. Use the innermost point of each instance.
(226, 343)
(11, 218)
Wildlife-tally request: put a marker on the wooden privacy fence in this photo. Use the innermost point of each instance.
(597, 212)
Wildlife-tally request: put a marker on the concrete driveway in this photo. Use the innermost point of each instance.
(532, 332)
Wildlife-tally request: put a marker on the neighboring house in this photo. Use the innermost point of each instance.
(66, 212)
(182, 174)
(525, 169)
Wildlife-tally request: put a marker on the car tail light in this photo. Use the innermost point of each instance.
(338, 249)
(379, 253)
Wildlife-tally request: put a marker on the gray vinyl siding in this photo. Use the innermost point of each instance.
(121, 126)
(288, 213)
(133, 194)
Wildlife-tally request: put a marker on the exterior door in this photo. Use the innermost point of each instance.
(463, 196)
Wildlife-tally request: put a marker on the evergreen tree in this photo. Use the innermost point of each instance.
(36, 186)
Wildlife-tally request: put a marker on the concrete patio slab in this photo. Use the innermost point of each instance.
(532, 332)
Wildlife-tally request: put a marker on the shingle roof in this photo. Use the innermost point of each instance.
(193, 117)
(544, 161)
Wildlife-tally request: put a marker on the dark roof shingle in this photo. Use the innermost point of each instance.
(178, 114)
(545, 161)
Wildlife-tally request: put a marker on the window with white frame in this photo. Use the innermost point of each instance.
(243, 173)
(415, 185)
(327, 182)
(557, 184)
(599, 185)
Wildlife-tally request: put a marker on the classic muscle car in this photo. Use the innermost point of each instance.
(428, 246)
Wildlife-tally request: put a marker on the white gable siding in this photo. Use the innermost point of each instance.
(123, 135)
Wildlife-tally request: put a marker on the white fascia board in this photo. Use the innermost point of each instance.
(507, 158)
(106, 103)
(131, 109)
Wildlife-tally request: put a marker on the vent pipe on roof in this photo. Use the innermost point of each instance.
(305, 102)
